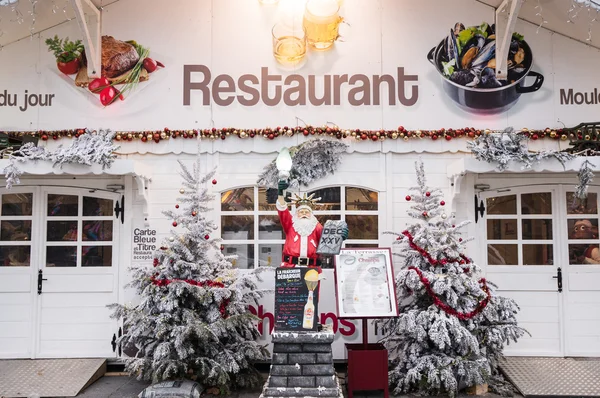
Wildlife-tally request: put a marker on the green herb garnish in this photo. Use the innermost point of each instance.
(65, 50)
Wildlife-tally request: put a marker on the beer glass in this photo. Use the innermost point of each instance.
(289, 43)
(322, 23)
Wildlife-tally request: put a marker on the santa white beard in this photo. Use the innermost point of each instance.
(304, 226)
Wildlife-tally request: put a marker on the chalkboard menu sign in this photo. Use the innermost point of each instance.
(296, 299)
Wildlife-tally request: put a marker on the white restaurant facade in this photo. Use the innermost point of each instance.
(222, 49)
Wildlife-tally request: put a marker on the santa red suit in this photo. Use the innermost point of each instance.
(298, 249)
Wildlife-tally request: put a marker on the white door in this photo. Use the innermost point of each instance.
(17, 273)
(581, 272)
(61, 275)
(522, 253)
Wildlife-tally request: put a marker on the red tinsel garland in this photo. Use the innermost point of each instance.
(272, 133)
(167, 282)
(445, 307)
(464, 259)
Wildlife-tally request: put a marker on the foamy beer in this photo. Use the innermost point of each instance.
(289, 43)
(322, 23)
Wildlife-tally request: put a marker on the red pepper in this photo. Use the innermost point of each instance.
(160, 64)
(98, 84)
(150, 65)
(109, 95)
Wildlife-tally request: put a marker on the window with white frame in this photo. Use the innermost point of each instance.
(251, 229)
(519, 229)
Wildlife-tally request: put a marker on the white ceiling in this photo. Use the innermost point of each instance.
(50, 13)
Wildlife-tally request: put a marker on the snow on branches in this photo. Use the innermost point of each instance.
(311, 160)
(88, 149)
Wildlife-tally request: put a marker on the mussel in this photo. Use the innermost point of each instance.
(471, 50)
(487, 52)
(488, 78)
(450, 47)
(458, 27)
(465, 77)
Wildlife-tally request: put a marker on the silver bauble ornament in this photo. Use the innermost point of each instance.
(444, 216)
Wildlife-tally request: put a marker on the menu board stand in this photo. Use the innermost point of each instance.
(365, 290)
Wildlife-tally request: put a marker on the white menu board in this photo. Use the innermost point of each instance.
(364, 282)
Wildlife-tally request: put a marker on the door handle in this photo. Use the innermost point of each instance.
(558, 278)
(40, 281)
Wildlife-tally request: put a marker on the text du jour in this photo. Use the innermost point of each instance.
(29, 100)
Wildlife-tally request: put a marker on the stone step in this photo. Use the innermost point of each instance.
(301, 392)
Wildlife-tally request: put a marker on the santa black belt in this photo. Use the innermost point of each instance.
(302, 261)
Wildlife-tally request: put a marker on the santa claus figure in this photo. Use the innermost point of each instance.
(302, 230)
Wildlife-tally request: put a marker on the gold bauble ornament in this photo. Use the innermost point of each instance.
(353, 134)
(69, 135)
(563, 137)
(419, 133)
(227, 134)
(394, 136)
(182, 191)
(405, 138)
(130, 136)
(587, 137)
(553, 134)
(243, 134)
(163, 135)
(487, 131)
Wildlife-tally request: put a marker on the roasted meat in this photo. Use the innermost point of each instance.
(117, 57)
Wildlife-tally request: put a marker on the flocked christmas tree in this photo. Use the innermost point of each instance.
(452, 327)
(193, 320)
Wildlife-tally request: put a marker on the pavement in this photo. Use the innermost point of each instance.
(122, 386)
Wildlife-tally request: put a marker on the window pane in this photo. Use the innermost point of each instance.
(502, 229)
(97, 230)
(537, 255)
(61, 256)
(244, 253)
(269, 227)
(240, 199)
(362, 227)
(96, 256)
(588, 205)
(15, 256)
(330, 198)
(584, 254)
(536, 203)
(361, 199)
(61, 231)
(97, 206)
(324, 217)
(237, 227)
(503, 255)
(267, 199)
(18, 204)
(536, 229)
(583, 229)
(62, 205)
(15, 230)
(502, 205)
(270, 255)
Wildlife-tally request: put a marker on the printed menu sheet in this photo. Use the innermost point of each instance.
(365, 284)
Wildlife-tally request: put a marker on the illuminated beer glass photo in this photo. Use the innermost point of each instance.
(322, 23)
(289, 43)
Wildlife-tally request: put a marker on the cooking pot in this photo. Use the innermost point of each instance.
(487, 100)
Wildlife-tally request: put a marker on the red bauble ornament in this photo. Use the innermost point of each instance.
(222, 247)
(425, 214)
(408, 198)
(363, 136)
(44, 137)
(177, 206)
(207, 237)
(194, 214)
(448, 137)
(534, 137)
(305, 132)
(174, 223)
(156, 137)
(460, 239)
(214, 182)
(144, 138)
(453, 226)
(271, 136)
(428, 194)
(155, 263)
(434, 137)
(442, 203)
